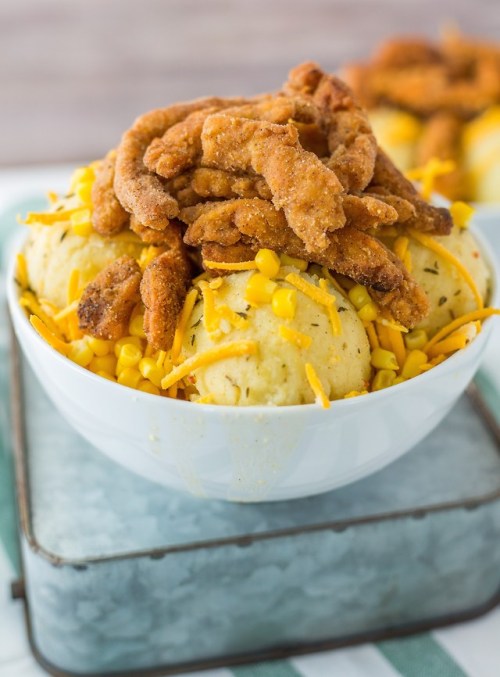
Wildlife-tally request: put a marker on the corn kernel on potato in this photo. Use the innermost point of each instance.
(276, 375)
(52, 252)
(449, 294)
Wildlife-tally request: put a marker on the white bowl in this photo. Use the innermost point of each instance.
(249, 453)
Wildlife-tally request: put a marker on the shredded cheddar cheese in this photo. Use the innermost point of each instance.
(332, 311)
(211, 318)
(397, 345)
(321, 297)
(437, 248)
(220, 265)
(316, 386)
(49, 336)
(234, 349)
(296, 337)
(481, 314)
(48, 218)
(21, 271)
(187, 309)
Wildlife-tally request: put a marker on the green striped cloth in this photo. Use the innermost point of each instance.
(471, 649)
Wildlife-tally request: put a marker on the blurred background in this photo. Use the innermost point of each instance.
(74, 74)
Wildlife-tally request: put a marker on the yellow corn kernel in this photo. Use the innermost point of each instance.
(134, 340)
(148, 387)
(461, 213)
(284, 303)
(268, 262)
(358, 296)
(400, 246)
(413, 364)
(383, 379)
(296, 263)
(83, 191)
(21, 271)
(129, 377)
(384, 359)
(81, 223)
(80, 353)
(260, 289)
(130, 355)
(416, 339)
(99, 347)
(104, 374)
(295, 337)
(105, 363)
(368, 312)
(151, 371)
(136, 326)
(81, 175)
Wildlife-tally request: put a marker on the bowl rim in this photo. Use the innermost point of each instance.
(451, 363)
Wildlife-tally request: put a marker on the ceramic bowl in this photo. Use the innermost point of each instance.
(253, 453)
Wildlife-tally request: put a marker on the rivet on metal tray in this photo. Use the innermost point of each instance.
(157, 555)
(80, 567)
(419, 515)
(17, 589)
(339, 529)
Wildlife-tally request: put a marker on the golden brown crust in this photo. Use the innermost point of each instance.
(106, 304)
(163, 290)
(351, 142)
(141, 192)
(427, 218)
(108, 216)
(458, 76)
(309, 193)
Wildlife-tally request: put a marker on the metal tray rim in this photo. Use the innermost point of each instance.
(24, 508)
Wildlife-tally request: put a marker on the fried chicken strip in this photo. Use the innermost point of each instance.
(106, 304)
(427, 218)
(141, 192)
(308, 192)
(108, 216)
(209, 182)
(350, 252)
(351, 143)
(163, 290)
(180, 147)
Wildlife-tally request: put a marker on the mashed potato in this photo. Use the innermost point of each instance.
(481, 146)
(397, 133)
(449, 294)
(276, 375)
(52, 252)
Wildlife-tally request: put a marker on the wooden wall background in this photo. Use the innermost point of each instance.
(74, 73)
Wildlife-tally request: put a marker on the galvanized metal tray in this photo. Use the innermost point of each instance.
(125, 577)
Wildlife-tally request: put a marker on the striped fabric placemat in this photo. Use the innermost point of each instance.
(470, 649)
